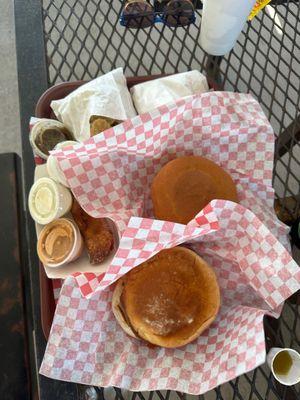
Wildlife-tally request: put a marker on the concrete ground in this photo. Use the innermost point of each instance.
(10, 142)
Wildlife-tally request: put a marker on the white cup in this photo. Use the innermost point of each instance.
(48, 201)
(222, 22)
(39, 126)
(292, 377)
(75, 251)
(53, 169)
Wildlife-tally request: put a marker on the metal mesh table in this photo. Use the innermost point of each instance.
(82, 39)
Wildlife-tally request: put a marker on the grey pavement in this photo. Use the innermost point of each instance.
(10, 140)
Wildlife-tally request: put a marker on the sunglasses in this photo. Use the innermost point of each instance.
(140, 14)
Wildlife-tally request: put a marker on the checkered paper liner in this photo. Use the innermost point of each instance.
(255, 273)
(244, 243)
(111, 174)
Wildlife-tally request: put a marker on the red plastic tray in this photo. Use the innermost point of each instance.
(43, 110)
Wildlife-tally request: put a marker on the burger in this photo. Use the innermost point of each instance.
(185, 185)
(169, 300)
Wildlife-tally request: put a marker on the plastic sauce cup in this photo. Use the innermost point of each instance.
(52, 165)
(48, 200)
(292, 357)
(43, 125)
(76, 247)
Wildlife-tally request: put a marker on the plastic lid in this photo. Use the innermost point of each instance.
(43, 201)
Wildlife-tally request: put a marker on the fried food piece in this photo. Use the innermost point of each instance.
(97, 234)
(100, 124)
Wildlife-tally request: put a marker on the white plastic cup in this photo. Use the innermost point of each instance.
(76, 249)
(222, 22)
(48, 200)
(293, 375)
(36, 129)
(52, 164)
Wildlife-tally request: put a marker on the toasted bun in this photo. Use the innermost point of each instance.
(184, 186)
(168, 300)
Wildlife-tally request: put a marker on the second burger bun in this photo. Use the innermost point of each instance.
(184, 186)
(169, 300)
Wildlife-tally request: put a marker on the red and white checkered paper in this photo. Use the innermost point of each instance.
(110, 175)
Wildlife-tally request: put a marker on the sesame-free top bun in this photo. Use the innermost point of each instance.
(169, 300)
(184, 186)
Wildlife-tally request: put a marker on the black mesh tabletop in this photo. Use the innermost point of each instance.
(81, 39)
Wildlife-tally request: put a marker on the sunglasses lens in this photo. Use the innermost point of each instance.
(179, 13)
(138, 14)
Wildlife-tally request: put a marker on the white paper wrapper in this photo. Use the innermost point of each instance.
(152, 94)
(106, 96)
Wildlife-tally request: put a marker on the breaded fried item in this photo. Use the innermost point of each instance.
(100, 124)
(97, 234)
